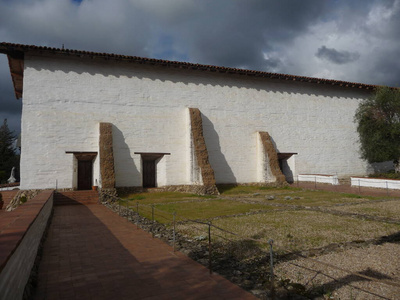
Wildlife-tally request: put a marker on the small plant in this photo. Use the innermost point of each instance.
(385, 175)
(299, 276)
(352, 297)
(23, 199)
(137, 198)
(351, 196)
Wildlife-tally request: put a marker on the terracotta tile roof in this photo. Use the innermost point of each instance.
(17, 51)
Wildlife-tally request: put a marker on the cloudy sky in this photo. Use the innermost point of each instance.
(352, 40)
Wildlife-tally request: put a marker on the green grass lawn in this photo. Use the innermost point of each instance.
(163, 197)
(260, 218)
(198, 210)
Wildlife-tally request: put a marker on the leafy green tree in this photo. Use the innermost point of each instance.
(378, 125)
(8, 156)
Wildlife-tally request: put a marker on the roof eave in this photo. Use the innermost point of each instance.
(18, 50)
(16, 64)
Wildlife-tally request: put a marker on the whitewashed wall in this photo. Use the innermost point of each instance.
(66, 98)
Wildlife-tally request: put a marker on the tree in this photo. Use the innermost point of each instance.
(8, 157)
(378, 126)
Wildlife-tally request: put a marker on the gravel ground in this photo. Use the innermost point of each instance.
(377, 261)
(386, 209)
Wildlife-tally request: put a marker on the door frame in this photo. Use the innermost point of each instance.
(82, 156)
(85, 174)
(149, 172)
(150, 156)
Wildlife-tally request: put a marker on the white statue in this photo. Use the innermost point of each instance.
(12, 177)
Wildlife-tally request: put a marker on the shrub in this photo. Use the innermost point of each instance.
(23, 199)
(387, 175)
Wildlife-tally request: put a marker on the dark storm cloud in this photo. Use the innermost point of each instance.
(268, 35)
(239, 34)
(384, 70)
(10, 107)
(337, 57)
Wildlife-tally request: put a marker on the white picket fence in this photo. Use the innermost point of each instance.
(375, 183)
(319, 178)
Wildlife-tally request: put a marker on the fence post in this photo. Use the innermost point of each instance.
(359, 186)
(209, 248)
(152, 220)
(315, 180)
(174, 215)
(387, 188)
(271, 258)
(119, 207)
(297, 180)
(137, 215)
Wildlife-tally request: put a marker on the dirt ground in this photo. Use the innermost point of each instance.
(346, 188)
(335, 275)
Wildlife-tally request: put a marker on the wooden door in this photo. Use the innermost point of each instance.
(85, 174)
(149, 173)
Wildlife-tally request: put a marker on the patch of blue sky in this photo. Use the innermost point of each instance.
(77, 1)
(165, 48)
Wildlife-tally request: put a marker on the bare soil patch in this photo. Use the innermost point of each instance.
(376, 261)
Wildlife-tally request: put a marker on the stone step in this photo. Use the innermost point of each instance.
(76, 198)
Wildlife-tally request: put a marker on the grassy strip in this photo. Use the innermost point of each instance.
(388, 209)
(203, 210)
(249, 189)
(300, 230)
(163, 197)
(301, 196)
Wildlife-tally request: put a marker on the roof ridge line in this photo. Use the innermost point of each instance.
(8, 48)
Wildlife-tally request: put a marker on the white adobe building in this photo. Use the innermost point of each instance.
(121, 121)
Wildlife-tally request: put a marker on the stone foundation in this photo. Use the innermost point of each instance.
(108, 195)
(192, 189)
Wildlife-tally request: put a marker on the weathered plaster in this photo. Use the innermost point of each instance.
(66, 98)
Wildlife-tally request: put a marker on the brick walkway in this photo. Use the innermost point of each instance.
(92, 253)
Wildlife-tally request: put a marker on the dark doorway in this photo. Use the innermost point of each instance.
(149, 167)
(149, 173)
(85, 175)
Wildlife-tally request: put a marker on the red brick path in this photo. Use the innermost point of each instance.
(7, 197)
(92, 253)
